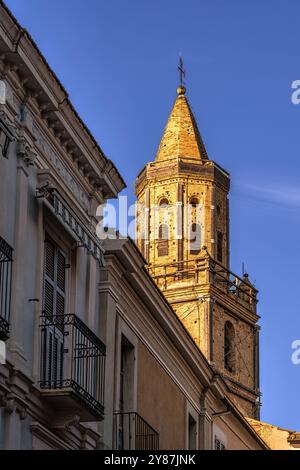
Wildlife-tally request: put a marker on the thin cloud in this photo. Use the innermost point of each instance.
(275, 193)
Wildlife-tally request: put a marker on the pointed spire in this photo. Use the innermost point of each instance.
(181, 137)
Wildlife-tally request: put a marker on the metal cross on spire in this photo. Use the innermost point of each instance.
(181, 70)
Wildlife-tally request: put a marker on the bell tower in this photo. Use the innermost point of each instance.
(183, 233)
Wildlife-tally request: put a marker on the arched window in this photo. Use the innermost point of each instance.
(194, 202)
(163, 203)
(229, 346)
(163, 240)
(195, 239)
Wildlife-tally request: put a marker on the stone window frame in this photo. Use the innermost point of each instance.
(6, 137)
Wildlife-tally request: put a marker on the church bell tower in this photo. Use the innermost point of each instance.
(183, 233)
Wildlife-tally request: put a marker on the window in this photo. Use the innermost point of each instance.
(192, 436)
(5, 138)
(163, 203)
(220, 247)
(126, 375)
(4, 143)
(53, 312)
(219, 445)
(6, 253)
(123, 418)
(195, 239)
(229, 346)
(54, 280)
(194, 202)
(163, 240)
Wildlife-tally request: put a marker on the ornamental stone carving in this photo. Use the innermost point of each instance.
(26, 152)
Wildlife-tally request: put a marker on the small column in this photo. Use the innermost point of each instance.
(12, 428)
(213, 242)
(92, 293)
(81, 278)
(22, 247)
(147, 223)
(205, 424)
(179, 222)
(227, 234)
(256, 366)
(207, 342)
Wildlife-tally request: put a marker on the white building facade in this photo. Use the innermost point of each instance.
(53, 177)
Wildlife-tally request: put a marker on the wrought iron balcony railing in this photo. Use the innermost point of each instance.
(205, 271)
(132, 432)
(72, 363)
(5, 287)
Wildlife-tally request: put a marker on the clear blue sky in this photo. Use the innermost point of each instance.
(118, 61)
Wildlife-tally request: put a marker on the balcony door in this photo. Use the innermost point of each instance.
(53, 312)
(125, 419)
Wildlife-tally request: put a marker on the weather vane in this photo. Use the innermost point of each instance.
(181, 70)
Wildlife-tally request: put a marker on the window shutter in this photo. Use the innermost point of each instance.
(49, 260)
(55, 280)
(219, 445)
(54, 309)
(60, 287)
(61, 271)
(49, 282)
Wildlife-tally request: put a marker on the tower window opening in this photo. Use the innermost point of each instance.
(195, 239)
(194, 202)
(229, 347)
(220, 247)
(163, 240)
(163, 203)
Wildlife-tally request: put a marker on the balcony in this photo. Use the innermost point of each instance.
(132, 432)
(72, 367)
(5, 287)
(206, 271)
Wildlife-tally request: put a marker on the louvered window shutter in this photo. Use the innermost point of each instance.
(55, 280)
(60, 287)
(219, 445)
(54, 309)
(49, 281)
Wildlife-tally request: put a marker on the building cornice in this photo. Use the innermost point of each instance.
(126, 251)
(22, 60)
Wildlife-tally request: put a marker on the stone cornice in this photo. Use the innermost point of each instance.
(183, 169)
(22, 62)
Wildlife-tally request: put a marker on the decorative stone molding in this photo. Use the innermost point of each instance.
(61, 169)
(12, 404)
(62, 423)
(9, 405)
(26, 152)
(48, 437)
